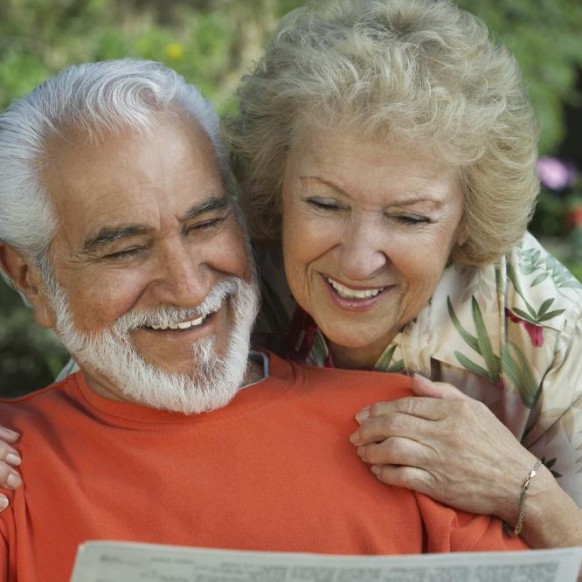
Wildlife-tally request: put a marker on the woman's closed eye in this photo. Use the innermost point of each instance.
(411, 219)
(326, 204)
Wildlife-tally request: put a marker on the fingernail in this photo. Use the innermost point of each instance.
(13, 481)
(419, 377)
(3, 502)
(13, 458)
(360, 451)
(8, 435)
(375, 470)
(363, 415)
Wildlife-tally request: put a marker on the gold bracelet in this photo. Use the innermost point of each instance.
(521, 515)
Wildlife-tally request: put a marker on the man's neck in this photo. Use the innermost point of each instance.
(256, 369)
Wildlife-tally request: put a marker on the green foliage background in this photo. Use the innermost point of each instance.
(212, 43)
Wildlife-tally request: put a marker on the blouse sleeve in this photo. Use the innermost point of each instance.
(510, 335)
(542, 358)
(556, 434)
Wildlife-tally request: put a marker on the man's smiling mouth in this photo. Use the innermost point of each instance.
(180, 325)
(169, 318)
(195, 320)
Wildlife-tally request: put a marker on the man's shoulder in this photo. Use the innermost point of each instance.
(337, 379)
(38, 400)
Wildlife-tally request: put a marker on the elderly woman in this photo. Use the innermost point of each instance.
(389, 148)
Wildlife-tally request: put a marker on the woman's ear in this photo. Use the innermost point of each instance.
(26, 278)
(462, 234)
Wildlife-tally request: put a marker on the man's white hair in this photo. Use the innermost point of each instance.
(92, 98)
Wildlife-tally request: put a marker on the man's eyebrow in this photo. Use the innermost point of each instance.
(210, 205)
(110, 234)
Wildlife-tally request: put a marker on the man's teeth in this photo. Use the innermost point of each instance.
(180, 325)
(347, 293)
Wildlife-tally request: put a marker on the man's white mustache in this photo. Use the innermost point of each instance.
(170, 314)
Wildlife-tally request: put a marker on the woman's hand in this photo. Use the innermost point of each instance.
(9, 458)
(446, 445)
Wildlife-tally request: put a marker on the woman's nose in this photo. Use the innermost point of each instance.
(362, 250)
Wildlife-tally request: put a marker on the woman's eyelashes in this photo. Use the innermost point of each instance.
(328, 204)
(410, 219)
(331, 205)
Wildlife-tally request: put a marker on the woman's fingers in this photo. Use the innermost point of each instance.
(404, 476)
(401, 418)
(453, 449)
(422, 386)
(396, 451)
(9, 459)
(8, 436)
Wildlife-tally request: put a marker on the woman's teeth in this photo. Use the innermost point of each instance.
(180, 325)
(347, 293)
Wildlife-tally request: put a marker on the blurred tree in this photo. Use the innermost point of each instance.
(212, 43)
(29, 355)
(546, 38)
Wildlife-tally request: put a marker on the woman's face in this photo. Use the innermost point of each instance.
(367, 231)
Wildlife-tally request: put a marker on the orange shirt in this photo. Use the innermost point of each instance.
(274, 470)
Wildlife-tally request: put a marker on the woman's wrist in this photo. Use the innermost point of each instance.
(517, 527)
(552, 518)
(515, 468)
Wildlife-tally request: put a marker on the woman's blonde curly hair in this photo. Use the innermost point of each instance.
(423, 71)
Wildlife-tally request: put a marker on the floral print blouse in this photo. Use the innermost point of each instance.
(509, 334)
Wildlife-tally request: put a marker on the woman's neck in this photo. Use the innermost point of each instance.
(360, 358)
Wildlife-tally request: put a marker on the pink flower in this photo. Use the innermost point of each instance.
(535, 332)
(555, 174)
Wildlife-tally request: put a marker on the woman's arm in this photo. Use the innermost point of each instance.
(9, 458)
(453, 448)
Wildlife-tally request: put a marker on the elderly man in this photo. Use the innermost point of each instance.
(119, 229)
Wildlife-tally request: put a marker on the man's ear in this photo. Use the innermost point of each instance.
(26, 278)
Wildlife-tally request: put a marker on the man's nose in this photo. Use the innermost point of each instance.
(181, 278)
(362, 252)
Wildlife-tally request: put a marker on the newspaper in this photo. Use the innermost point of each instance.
(131, 562)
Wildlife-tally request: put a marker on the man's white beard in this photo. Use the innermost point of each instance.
(214, 380)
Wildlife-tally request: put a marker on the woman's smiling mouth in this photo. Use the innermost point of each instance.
(349, 294)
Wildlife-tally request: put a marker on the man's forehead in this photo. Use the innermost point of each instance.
(89, 146)
(133, 177)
